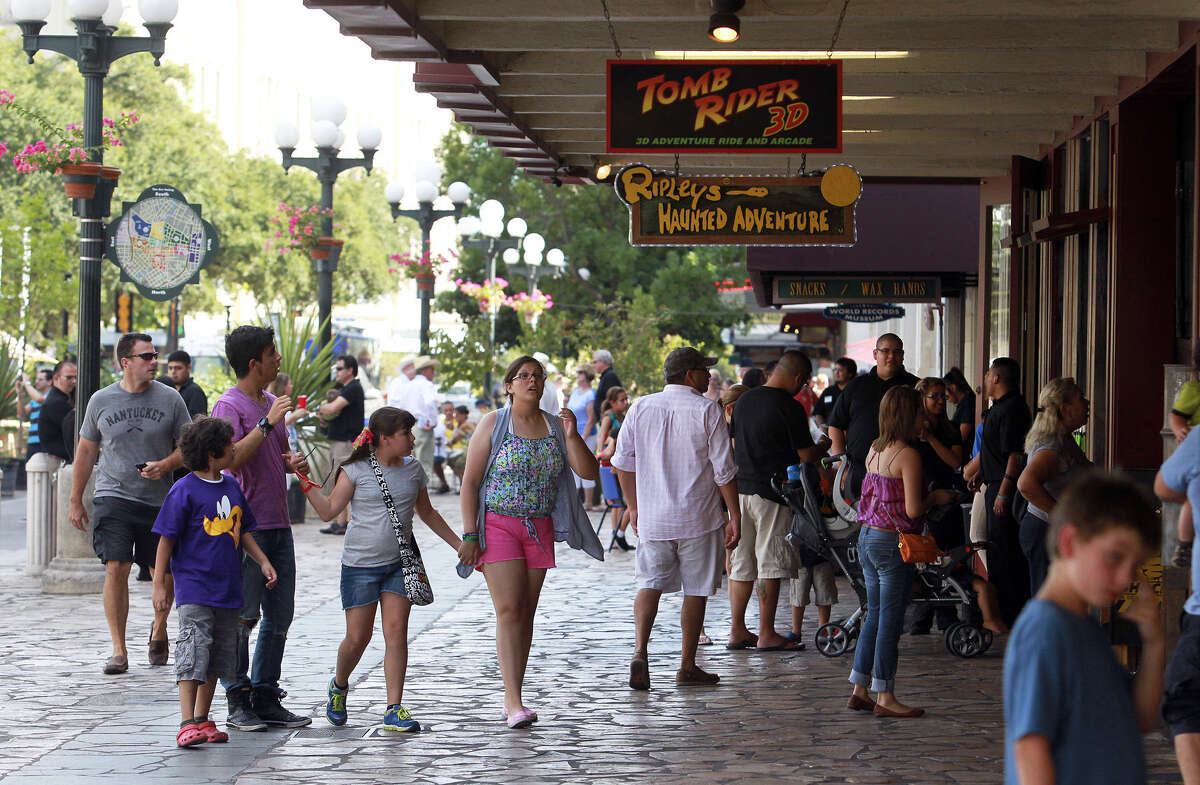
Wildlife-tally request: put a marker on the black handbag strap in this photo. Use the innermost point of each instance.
(387, 499)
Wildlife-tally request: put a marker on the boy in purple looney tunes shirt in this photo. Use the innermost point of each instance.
(201, 524)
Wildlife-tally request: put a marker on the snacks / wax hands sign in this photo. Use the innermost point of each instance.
(696, 106)
(671, 209)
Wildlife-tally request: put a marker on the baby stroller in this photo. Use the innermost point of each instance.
(825, 530)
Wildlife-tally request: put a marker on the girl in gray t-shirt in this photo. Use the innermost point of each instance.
(371, 570)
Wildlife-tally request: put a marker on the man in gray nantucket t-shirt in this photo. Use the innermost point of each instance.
(133, 426)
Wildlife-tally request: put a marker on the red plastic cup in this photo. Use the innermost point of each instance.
(302, 401)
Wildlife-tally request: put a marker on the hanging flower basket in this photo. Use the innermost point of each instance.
(80, 180)
(298, 229)
(489, 294)
(418, 267)
(324, 246)
(107, 184)
(425, 280)
(530, 306)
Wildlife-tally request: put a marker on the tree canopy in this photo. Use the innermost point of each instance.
(637, 302)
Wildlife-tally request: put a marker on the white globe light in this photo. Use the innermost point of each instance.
(517, 227)
(585, 273)
(511, 255)
(426, 191)
(324, 133)
(30, 10)
(287, 135)
(158, 12)
(114, 12)
(556, 257)
(468, 225)
(491, 210)
(534, 242)
(428, 170)
(458, 191)
(369, 137)
(341, 139)
(330, 108)
(533, 257)
(394, 193)
(87, 9)
(492, 228)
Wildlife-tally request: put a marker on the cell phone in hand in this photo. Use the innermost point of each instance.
(141, 467)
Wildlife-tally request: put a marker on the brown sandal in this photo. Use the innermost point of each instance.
(116, 665)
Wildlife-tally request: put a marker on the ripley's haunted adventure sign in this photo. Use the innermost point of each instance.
(678, 209)
(706, 106)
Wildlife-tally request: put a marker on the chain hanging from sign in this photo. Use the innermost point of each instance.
(161, 243)
(674, 209)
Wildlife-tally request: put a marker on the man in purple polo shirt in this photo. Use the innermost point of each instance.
(261, 461)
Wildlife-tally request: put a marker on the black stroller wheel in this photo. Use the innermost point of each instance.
(966, 640)
(832, 639)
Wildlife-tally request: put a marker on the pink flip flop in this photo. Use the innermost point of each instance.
(521, 719)
(504, 713)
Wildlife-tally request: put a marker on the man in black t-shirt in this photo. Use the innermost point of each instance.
(844, 370)
(344, 427)
(770, 433)
(854, 423)
(999, 463)
(56, 438)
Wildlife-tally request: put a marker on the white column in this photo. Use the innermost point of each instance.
(75, 568)
(40, 471)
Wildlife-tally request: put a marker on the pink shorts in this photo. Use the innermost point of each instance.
(506, 539)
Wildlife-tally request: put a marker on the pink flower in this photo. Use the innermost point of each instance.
(6, 97)
(3, 149)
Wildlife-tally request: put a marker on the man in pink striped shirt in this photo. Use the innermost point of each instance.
(675, 466)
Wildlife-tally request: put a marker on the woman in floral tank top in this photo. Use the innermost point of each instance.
(893, 501)
(521, 482)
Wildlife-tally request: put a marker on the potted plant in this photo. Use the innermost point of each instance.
(530, 305)
(423, 269)
(489, 294)
(298, 230)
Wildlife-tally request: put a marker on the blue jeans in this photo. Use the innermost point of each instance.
(889, 581)
(277, 605)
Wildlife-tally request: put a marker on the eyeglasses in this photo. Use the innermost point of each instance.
(889, 351)
(339, 367)
(936, 397)
(525, 376)
(147, 356)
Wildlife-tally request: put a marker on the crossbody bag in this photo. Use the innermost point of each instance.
(416, 582)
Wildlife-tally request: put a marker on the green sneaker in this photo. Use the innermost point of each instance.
(398, 719)
(335, 705)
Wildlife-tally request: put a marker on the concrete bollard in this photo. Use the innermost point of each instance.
(75, 568)
(40, 524)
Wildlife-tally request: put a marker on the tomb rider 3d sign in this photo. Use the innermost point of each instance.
(699, 106)
(675, 209)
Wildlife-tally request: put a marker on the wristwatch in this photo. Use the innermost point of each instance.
(265, 426)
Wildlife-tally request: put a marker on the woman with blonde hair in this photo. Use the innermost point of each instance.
(1052, 461)
(893, 501)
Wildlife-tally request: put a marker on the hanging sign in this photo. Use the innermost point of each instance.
(711, 106)
(858, 289)
(161, 243)
(674, 209)
(864, 312)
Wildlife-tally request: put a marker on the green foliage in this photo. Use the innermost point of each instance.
(175, 145)
(638, 302)
(309, 371)
(9, 371)
(214, 379)
(465, 359)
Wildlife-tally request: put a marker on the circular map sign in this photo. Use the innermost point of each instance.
(161, 243)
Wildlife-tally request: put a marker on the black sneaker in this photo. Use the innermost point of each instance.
(334, 528)
(267, 706)
(241, 716)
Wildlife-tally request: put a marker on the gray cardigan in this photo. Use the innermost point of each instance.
(571, 524)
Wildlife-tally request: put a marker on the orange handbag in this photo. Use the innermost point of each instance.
(920, 548)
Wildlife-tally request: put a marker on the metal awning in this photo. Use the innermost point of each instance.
(933, 88)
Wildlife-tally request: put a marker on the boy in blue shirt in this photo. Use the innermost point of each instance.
(201, 527)
(1179, 481)
(1072, 713)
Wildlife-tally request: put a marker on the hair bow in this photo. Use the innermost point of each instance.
(366, 437)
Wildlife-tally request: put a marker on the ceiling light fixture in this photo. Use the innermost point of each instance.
(782, 54)
(724, 26)
(603, 171)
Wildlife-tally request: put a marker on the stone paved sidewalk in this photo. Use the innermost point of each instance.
(776, 717)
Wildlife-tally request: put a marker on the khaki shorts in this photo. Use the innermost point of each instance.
(338, 453)
(763, 550)
(819, 577)
(693, 565)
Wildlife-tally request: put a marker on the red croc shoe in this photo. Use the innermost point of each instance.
(212, 732)
(190, 735)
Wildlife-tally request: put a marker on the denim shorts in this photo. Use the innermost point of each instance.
(363, 585)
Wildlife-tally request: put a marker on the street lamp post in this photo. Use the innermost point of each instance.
(327, 113)
(533, 245)
(491, 225)
(94, 48)
(426, 215)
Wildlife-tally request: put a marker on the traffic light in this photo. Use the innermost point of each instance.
(174, 322)
(124, 312)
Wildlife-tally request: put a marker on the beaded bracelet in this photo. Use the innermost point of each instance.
(471, 537)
